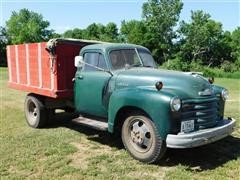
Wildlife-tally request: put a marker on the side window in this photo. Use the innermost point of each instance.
(95, 59)
(90, 58)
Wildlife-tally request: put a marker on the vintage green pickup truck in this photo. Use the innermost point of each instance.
(118, 88)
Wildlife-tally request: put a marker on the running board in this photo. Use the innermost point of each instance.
(92, 123)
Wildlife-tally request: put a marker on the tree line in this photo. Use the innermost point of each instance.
(175, 44)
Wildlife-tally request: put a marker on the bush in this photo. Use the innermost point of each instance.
(215, 72)
(175, 64)
(227, 70)
(227, 66)
(237, 63)
(196, 66)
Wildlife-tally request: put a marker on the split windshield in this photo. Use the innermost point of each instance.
(125, 58)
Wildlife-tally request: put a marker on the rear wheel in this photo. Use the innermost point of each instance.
(35, 112)
(69, 110)
(142, 140)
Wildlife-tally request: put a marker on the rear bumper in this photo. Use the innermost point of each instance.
(201, 137)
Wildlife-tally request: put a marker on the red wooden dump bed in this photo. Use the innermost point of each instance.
(45, 68)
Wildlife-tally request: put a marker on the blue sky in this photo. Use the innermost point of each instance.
(64, 15)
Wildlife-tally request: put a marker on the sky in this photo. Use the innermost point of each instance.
(69, 14)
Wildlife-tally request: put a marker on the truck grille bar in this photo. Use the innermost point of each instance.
(204, 112)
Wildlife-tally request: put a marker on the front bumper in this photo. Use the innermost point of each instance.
(201, 137)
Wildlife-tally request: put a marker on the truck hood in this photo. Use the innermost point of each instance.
(184, 85)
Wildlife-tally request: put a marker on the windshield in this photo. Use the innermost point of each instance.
(146, 58)
(131, 58)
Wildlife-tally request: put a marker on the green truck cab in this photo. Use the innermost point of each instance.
(151, 108)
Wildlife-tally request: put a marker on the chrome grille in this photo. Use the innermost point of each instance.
(205, 112)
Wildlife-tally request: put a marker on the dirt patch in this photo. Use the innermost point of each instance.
(156, 174)
(18, 172)
(85, 151)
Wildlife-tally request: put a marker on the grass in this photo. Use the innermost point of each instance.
(67, 151)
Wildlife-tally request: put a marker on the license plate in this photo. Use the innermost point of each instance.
(187, 126)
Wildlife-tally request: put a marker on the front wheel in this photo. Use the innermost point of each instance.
(35, 111)
(142, 140)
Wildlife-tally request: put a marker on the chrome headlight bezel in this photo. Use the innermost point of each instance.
(175, 104)
(225, 94)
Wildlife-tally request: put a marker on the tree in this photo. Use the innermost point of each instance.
(111, 32)
(161, 16)
(75, 33)
(235, 46)
(102, 33)
(203, 39)
(96, 32)
(133, 32)
(93, 31)
(68, 34)
(27, 26)
(55, 35)
(3, 43)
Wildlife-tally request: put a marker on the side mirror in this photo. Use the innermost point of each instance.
(78, 61)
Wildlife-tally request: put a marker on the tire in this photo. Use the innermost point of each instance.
(35, 112)
(50, 116)
(69, 110)
(142, 140)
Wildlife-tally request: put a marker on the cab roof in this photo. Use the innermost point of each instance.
(111, 46)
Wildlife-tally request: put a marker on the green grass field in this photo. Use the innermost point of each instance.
(67, 151)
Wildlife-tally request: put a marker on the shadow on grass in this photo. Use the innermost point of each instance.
(103, 137)
(206, 157)
(197, 159)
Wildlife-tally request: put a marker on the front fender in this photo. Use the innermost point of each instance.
(154, 103)
(218, 91)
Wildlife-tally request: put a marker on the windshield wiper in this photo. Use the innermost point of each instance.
(136, 65)
(148, 66)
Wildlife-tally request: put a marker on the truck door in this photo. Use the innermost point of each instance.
(90, 83)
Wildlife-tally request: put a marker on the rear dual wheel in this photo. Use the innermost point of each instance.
(35, 112)
(142, 140)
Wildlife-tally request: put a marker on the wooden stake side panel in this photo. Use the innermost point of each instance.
(33, 65)
(32, 69)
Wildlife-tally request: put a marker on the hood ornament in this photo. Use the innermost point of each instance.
(206, 92)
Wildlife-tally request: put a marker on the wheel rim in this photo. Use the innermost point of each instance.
(140, 135)
(32, 112)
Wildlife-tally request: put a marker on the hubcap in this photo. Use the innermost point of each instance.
(140, 135)
(32, 112)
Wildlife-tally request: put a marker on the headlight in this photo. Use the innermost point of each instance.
(225, 94)
(175, 104)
